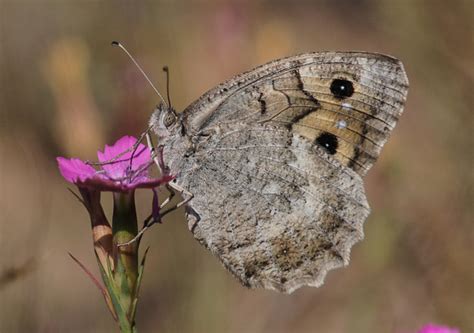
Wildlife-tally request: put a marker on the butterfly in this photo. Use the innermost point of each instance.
(273, 160)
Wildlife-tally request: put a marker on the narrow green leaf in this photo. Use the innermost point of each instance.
(141, 268)
(97, 284)
(115, 299)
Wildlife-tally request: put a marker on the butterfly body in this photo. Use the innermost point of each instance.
(275, 158)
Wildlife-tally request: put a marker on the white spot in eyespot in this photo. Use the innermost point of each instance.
(341, 124)
(346, 106)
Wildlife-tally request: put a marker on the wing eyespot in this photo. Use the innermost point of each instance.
(342, 88)
(328, 141)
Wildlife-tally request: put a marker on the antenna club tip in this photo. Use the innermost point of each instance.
(115, 43)
(165, 68)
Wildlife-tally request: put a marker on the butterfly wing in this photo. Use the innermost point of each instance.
(277, 212)
(277, 159)
(346, 102)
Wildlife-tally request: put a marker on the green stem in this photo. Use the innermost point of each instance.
(124, 229)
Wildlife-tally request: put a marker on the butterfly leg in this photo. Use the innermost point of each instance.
(146, 225)
(171, 195)
(156, 154)
(149, 221)
(132, 149)
(172, 188)
(157, 157)
(186, 195)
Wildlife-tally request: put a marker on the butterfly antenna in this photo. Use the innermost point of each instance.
(115, 43)
(167, 71)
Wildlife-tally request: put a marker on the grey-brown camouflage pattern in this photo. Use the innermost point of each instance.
(274, 158)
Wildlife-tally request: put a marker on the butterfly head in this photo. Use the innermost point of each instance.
(164, 121)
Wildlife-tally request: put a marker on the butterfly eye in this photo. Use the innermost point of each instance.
(341, 88)
(168, 119)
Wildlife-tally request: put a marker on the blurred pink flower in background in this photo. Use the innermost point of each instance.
(431, 328)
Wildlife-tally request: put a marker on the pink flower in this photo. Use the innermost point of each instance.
(121, 168)
(431, 328)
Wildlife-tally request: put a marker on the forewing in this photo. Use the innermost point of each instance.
(346, 102)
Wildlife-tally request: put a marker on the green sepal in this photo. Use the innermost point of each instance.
(121, 279)
(115, 298)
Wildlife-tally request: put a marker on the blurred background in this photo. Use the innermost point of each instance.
(64, 91)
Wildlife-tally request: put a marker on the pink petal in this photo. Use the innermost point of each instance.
(431, 328)
(102, 184)
(118, 167)
(115, 176)
(74, 170)
(149, 183)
